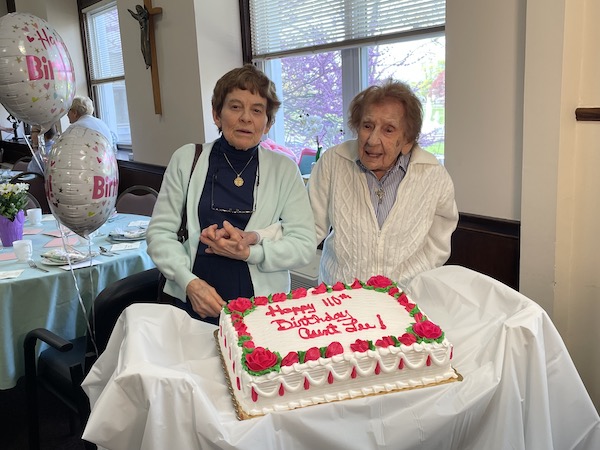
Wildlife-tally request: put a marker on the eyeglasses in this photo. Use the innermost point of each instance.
(231, 210)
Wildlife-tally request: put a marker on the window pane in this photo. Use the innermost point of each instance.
(104, 41)
(105, 59)
(421, 64)
(111, 106)
(311, 93)
(285, 26)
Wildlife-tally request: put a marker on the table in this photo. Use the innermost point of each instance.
(7, 174)
(50, 300)
(161, 386)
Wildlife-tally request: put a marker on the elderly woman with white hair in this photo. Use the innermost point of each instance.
(81, 114)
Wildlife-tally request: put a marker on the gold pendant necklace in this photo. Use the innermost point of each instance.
(238, 180)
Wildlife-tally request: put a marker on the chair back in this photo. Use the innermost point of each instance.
(31, 202)
(21, 164)
(36, 188)
(62, 367)
(137, 199)
(141, 287)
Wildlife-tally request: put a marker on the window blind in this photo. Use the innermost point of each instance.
(104, 43)
(285, 27)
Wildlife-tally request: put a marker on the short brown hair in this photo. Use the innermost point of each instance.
(390, 90)
(247, 78)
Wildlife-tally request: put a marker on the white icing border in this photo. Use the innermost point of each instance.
(337, 369)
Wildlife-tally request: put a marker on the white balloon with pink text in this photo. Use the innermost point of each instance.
(82, 180)
(37, 79)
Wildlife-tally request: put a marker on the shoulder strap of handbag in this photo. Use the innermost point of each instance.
(182, 234)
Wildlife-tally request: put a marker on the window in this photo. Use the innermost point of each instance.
(321, 53)
(107, 76)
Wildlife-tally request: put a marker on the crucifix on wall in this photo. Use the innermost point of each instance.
(145, 16)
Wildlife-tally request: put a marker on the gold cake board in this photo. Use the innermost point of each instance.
(242, 415)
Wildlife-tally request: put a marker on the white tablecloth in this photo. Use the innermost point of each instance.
(160, 385)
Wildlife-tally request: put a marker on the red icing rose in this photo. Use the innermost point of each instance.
(260, 359)
(290, 358)
(393, 290)
(379, 281)
(403, 299)
(407, 339)
(339, 286)
(320, 289)
(261, 301)
(359, 346)
(335, 348)
(409, 306)
(299, 293)
(248, 344)
(356, 284)
(312, 354)
(418, 317)
(427, 329)
(279, 297)
(241, 328)
(385, 341)
(240, 304)
(235, 317)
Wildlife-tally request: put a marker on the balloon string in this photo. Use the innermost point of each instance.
(91, 330)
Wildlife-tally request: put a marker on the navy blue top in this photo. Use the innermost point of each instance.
(222, 200)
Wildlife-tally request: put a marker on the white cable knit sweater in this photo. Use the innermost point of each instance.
(414, 238)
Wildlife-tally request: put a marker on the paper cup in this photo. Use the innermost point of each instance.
(34, 216)
(23, 249)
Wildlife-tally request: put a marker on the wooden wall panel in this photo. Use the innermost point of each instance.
(489, 246)
(132, 173)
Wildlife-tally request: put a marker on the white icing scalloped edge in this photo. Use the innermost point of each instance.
(367, 382)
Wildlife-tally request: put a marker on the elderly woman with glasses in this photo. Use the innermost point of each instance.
(235, 185)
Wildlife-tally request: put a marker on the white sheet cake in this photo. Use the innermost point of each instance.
(327, 344)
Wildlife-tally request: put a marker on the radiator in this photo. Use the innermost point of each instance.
(308, 275)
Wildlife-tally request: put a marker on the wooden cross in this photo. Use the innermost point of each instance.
(154, 67)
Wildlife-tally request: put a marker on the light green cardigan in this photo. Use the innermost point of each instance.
(281, 196)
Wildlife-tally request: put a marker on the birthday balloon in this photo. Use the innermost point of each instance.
(82, 180)
(37, 80)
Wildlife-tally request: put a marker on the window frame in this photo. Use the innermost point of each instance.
(84, 7)
(354, 69)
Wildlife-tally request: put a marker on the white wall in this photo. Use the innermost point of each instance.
(516, 70)
(63, 15)
(196, 42)
(577, 247)
(484, 105)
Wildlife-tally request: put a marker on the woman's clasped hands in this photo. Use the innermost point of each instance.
(228, 241)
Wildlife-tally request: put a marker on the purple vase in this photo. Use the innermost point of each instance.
(11, 230)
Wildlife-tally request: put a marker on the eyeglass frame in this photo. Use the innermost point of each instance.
(231, 210)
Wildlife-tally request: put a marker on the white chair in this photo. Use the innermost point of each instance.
(137, 199)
